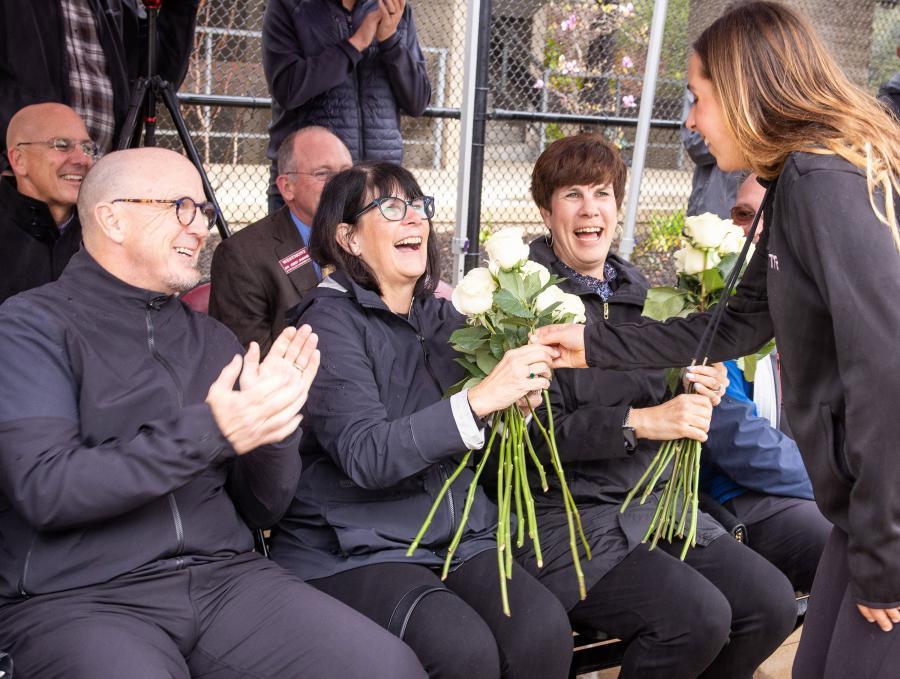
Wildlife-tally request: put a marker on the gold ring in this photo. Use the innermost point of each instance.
(297, 367)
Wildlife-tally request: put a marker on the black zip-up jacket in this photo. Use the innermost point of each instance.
(110, 459)
(33, 62)
(34, 251)
(825, 280)
(589, 409)
(317, 77)
(381, 439)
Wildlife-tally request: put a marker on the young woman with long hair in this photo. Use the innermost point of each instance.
(825, 280)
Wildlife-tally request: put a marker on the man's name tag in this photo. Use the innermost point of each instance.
(295, 260)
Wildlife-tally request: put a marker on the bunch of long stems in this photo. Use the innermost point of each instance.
(514, 451)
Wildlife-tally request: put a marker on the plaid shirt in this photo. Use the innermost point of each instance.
(89, 82)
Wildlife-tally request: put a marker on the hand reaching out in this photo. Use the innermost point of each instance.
(520, 372)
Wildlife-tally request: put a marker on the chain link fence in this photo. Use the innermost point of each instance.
(547, 58)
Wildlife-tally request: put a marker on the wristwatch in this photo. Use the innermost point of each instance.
(628, 434)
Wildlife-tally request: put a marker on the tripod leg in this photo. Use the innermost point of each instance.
(171, 104)
(130, 135)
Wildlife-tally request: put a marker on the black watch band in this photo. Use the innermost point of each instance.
(628, 434)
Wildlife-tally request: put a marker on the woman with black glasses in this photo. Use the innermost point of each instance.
(381, 441)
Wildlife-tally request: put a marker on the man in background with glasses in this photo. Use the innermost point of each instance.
(263, 270)
(50, 153)
(131, 466)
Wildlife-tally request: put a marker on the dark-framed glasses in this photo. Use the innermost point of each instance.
(319, 175)
(393, 208)
(742, 215)
(185, 208)
(67, 146)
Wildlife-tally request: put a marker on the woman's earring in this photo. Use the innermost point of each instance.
(548, 239)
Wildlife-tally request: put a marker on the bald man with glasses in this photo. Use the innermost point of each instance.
(50, 153)
(132, 467)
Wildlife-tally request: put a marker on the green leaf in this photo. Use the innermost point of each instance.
(726, 265)
(511, 281)
(508, 302)
(664, 302)
(470, 338)
(713, 284)
(486, 360)
(498, 345)
(532, 286)
(470, 366)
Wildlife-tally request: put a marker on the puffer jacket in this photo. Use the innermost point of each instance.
(824, 280)
(110, 459)
(381, 439)
(317, 77)
(589, 408)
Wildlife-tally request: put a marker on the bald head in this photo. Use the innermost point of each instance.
(46, 147)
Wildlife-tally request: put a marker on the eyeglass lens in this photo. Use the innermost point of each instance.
(394, 209)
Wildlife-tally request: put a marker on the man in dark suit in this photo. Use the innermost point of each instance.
(264, 269)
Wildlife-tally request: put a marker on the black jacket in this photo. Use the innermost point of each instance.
(381, 439)
(825, 280)
(589, 409)
(33, 66)
(34, 252)
(317, 77)
(110, 459)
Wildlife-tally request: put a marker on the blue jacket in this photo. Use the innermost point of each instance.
(317, 77)
(744, 452)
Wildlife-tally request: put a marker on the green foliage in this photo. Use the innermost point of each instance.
(665, 232)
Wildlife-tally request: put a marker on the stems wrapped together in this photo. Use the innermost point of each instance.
(515, 451)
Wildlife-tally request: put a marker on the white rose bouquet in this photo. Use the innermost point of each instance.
(702, 267)
(505, 302)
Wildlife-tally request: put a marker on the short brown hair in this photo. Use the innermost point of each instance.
(585, 158)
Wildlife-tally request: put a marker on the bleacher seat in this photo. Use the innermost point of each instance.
(198, 297)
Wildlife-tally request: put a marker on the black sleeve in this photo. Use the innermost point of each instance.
(402, 58)
(746, 326)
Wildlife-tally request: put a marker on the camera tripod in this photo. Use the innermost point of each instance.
(148, 91)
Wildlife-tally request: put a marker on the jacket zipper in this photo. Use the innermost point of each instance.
(441, 469)
(23, 592)
(359, 113)
(154, 305)
(605, 311)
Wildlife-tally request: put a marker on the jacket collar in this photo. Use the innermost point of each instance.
(632, 286)
(27, 213)
(90, 281)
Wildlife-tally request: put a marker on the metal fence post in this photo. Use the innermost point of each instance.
(643, 127)
(471, 139)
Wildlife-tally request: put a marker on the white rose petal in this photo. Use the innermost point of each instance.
(706, 230)
(571, 306)
(548, 297)
(506, 247)
(689, 260)
(542, 271)
(733, 241)
(475, 292)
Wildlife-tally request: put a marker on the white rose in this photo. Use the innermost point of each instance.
(542, 271)
(689, 260)
(475, 292)
(706, 230)
(549, 296)
(571, 306)
(733, 241)
(506, 247)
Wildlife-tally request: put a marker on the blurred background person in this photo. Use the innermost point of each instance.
(351, 66)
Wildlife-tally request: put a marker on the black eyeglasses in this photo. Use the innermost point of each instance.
(319, 175)
(742, 216)
(394, 209)
(185, 208)
(67, 146)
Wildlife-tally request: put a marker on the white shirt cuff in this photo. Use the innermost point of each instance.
(472, 435)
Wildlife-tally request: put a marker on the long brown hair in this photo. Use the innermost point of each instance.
(781, 91)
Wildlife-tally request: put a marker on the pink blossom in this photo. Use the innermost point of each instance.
(628, 101)
(627, 62)
(538, 84)
(568, 24)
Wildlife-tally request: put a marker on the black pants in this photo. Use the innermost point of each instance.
(716, 615)
(246, 617)
(837, 642)
(789, 532)
(460, 631)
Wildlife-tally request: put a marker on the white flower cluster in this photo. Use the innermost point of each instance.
(507, 251)
(711, 238)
